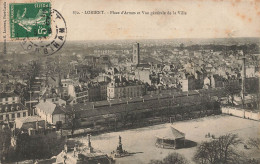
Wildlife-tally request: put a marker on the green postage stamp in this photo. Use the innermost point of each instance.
(28, 20)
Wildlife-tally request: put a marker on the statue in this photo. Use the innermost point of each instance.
(119, 150)
(120, 147)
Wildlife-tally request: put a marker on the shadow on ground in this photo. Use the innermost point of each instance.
(189, 144)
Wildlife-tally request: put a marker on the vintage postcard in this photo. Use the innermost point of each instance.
(130, 81)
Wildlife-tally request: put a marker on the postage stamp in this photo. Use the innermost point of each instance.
(28, 20)
(54, 42)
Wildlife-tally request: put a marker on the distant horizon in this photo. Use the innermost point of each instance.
(17, 41)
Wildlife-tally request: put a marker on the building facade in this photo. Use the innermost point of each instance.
(50, 112)
(98, 91)
(121, 90)
(11, 107)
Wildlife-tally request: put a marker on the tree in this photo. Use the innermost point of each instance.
(221, 150)
(22, 144)
(39, 146)
(256, 99)
(173, 158)
(182, 46)
(156, 162)
(254, 142)
(206, 153)
(73, 122)
(5, 142)
(231, 90)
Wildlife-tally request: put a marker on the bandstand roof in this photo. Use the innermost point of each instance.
(171, 134)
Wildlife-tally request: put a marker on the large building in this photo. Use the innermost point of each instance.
(97, 91)
(11, 107)
(124, 90)
(50, 112)
(9, 98)
(143, 75)
(77, 94)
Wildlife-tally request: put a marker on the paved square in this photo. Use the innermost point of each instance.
(142, 140)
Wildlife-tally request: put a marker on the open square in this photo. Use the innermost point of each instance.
(142, 141)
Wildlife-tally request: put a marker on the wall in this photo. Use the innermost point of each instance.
(58, 117)
(44, 115)
(9, 100)
(143, 75)
(71, 91)
(3, 116)
(185, 85)
(124, 91)
(241, 113)
(28, 125)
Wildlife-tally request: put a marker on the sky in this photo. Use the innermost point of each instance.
(203, 19)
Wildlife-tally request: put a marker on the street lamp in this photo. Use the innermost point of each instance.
(30, 102)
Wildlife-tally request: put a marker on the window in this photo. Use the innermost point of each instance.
(24, 114)
(1, 117)
(13, 115)
(7, 116)
(18, 115)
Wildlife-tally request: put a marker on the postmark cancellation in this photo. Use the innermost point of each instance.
(38, 27)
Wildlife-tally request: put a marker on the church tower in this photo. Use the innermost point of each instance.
(136, 55)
